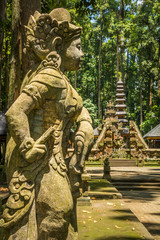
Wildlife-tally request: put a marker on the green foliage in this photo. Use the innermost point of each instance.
(5, 29)
(151, 119)
(92, 109)
(140, 29)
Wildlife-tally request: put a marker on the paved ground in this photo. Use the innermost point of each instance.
(106, 219)
(136, 173)
(146, 208)
(142, 195)
(140, 189)
(112, 219)
(109, 220)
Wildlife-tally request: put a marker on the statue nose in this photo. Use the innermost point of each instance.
(82, 54)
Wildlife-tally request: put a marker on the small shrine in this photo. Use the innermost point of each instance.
(153, 137)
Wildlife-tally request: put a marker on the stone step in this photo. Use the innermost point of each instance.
(137, 184)
(136, 180)
(104, 195)
(138, 188)
(124, 163)
(102, 189)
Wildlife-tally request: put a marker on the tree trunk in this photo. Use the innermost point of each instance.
(99, 78)
(122, 10)
(2, 18)
(122, 59)
(112, 84)
(141, 106)
(14, 80)
(140, 94)
(99, 68)
(127, 82)
(159, 68)
(117, 56)
(122, 43)
(6, 72)
(150, 82)
(150, 92)
(27, 9)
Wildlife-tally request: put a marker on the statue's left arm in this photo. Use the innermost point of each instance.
(84, 136)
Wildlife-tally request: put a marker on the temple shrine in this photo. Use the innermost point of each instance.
(120, 142)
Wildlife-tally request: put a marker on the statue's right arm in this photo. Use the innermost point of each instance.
(17, 119)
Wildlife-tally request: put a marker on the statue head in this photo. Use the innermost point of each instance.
(51, 35)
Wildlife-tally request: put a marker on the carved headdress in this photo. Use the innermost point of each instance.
(45, 31)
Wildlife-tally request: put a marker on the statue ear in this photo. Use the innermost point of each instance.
(57, 44)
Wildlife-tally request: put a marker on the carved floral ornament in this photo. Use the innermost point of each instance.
(45, 32)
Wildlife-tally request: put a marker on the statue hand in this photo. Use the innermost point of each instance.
(31, 150)
(35, 153)
(83, 141)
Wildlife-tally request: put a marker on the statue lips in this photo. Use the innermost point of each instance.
(80, 63)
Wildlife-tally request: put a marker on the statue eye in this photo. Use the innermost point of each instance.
(79, 46)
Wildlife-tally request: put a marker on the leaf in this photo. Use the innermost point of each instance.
(85, 211)
(117, 226)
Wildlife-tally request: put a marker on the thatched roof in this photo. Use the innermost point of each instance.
(154, 133)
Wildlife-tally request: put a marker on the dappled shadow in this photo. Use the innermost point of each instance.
(126, 182)
(117, 237)
(90, 171)
(143, 196)
(156, 214)
(139, 185)
(96, 177)
(153, 228)
(155, 169)
(124, 215)
(95, 173)
(131, 174)
(101, 186)
(136, 178)
(134, 175)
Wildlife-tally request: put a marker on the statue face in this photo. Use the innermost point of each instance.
(71, 55)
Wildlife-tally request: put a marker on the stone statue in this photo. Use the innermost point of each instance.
(43, 181)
